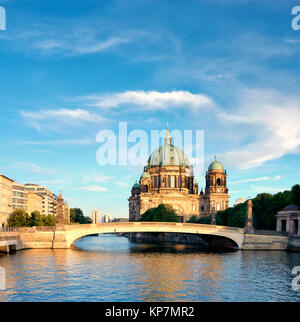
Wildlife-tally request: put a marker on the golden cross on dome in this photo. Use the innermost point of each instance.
(215, 158)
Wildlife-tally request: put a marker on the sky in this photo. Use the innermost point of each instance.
(69, 69)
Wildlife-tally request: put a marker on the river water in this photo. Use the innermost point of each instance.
(110, 268)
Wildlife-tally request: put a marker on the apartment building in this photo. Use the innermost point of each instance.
(6, 196)
(49, 201)
(34, 202)
(19, 200)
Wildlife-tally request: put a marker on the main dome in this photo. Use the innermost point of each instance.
(168, 154)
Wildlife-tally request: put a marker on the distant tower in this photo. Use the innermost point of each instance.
(62, 215)
(216, 186)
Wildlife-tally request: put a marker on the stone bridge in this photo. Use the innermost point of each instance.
(66, 235)
(63, 236)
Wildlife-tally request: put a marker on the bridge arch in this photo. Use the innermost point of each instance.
(215, 235)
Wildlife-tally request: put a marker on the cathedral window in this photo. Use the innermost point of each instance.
(218, 181)
(172, 182)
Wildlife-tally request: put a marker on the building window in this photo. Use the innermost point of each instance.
(173, 182)
(202, 208)
(218, 181)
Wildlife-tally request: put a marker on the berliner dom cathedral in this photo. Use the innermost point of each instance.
(168, 178)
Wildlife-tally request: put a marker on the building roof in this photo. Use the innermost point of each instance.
(2, 175)
(216, 165)
(291, 207)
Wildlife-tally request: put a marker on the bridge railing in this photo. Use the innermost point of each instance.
(9, 229)
(270, 232)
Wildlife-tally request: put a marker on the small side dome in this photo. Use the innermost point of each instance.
(216, 165)
(136, 186)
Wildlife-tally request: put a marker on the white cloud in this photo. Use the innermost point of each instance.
(96, 177)
(276, 178)
(63, 115)
(94, 189)
(58, 142)
(262, 189)
(151, 100)
(72, 46)
(33, 168)
(270, 122)
(122, 184)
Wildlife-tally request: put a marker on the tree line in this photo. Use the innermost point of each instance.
(265, 207)
(19, 218)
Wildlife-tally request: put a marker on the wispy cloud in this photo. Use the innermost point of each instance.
(151, 100)
(93, 189)
(270, 121)
(33, 168)
(267, 178)
(267, 189)
(58, 142)
(72, 46)
(122, 184)
(96, 177)
(64, 115)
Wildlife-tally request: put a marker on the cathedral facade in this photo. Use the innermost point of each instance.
(168, 178)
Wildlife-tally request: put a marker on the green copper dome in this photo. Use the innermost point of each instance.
(168, 154)
(216, 165)
(136, 186)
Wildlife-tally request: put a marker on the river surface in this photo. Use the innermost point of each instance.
(110, 268)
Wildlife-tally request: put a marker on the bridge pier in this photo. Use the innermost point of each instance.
(6, 246)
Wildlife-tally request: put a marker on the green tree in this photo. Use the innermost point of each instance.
(162, 213)
(200, 220)
(265, 207)
(19, 218)
(296, 194)
(76, 216)
(36, 219)
(49, 220)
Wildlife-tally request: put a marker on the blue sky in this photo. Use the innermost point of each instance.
(69, 69)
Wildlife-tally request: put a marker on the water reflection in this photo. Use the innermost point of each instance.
(114, 269)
